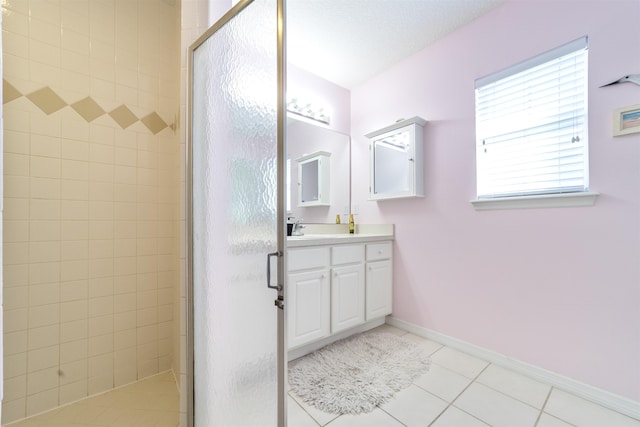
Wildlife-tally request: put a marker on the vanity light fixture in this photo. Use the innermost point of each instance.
(309, 110)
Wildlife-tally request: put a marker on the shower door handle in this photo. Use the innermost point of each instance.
(276, 254)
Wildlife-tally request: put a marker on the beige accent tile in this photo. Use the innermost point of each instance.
(9, 92)
(47, 100)
(88, 109)
(123, 116)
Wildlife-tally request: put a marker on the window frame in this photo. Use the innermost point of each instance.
(560, 197)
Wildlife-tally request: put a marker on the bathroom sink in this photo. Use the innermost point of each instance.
(320, 236)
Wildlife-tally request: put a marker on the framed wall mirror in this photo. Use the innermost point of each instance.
(303, 140)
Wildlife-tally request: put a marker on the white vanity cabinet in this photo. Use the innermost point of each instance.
(334, 287)
(308, 295)
(379, 279)
(347, 287)
(396, 160)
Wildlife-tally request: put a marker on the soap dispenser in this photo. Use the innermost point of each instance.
(352, 224)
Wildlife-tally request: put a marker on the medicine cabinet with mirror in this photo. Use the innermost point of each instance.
(396, 160)
(325, 190)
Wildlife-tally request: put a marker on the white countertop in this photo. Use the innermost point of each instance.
(314, 236)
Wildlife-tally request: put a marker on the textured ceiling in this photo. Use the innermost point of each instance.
(350, 41)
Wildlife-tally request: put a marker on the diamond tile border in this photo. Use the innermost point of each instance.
(47, 100)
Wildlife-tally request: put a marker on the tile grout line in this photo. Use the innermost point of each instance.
(543, 406)
(450, 404)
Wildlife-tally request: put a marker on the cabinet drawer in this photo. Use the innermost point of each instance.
(307, 258)
(377, 251)
(349, 254)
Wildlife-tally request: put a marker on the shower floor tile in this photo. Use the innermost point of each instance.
(152, 402)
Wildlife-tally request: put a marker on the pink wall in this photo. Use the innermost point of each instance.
(338, 99)
(558, 288)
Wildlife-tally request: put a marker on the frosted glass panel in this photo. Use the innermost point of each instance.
(234, 201)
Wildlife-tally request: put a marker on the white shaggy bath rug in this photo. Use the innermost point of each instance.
(356, 374)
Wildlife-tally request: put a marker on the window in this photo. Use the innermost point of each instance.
(531, 126)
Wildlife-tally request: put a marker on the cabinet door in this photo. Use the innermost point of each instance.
(395, 160)
(347, 297)
(307, 304)
(379, 291)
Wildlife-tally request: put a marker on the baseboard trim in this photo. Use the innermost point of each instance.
(597, 395)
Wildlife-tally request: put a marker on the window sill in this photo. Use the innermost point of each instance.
(565, 200)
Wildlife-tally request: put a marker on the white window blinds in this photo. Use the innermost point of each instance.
(531, 125)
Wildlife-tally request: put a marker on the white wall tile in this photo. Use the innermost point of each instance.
(14, 365)
(42, 401)
(42, 358)
(15, 388)
(43, 294)
(42, 380)
(74, 351)
(73, 392)
(74, 331)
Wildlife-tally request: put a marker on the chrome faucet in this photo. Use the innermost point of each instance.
(297, 228)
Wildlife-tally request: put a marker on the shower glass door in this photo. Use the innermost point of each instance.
(236, 218)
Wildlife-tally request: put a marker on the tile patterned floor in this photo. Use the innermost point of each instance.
(462, 391)
(458, 391)
(152, 402)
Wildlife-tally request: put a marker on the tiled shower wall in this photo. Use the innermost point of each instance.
(91, 219)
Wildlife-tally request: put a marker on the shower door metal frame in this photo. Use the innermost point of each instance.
(280, 218)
